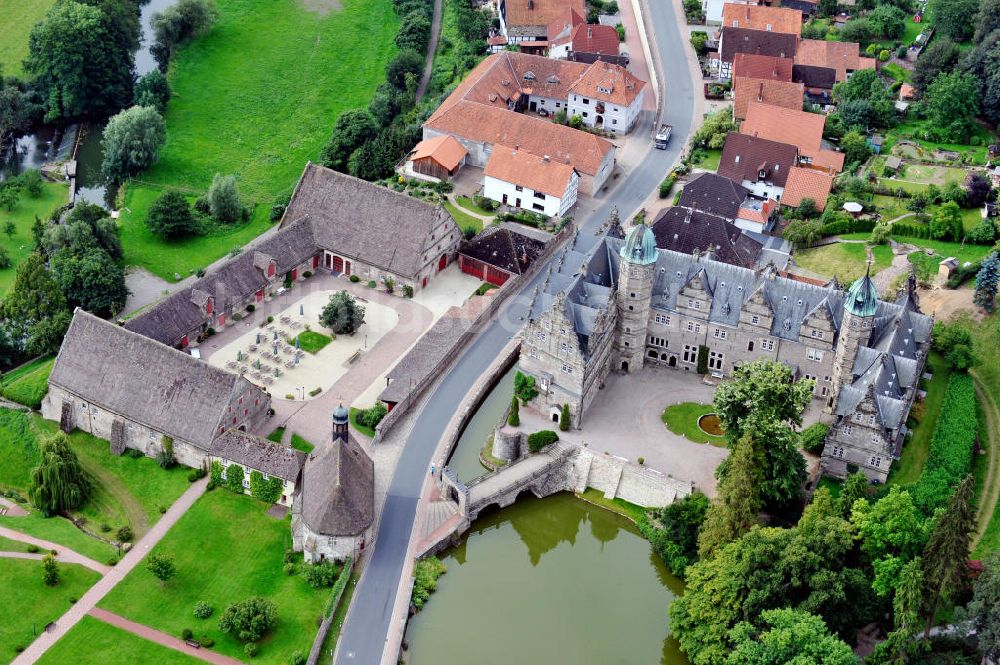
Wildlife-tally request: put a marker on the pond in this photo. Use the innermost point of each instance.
(464, 460)
(548, 581)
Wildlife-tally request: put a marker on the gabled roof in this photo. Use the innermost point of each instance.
(444, 150)
(774, 93)
(843, 57)
(689, 231)
(807, 184)
(608, 82)
(715, 194)
(814, 76)
(146, 381)
(758, 42)
(258, 453)
(518, 167)
(372, 223)
(524, 17)
(743, 157)
(560, 30)
(762, 17)
(762, 67)
(589, 38)
(338, 489)
(504, 248)
(799, 128)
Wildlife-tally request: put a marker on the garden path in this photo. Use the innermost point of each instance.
(161, 638)
(883, 279)
(432, 45)
(104, 586)
(11, 509)
(65, 555)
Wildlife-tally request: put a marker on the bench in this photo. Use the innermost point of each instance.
(194, 644)
(354, 356)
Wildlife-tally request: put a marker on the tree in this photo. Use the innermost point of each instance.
(50, 570)
(947, 550)
(91, 280)
(888, 21)
(352, 129)
(855, 487)
(892, 533)
(514, 419)
(761, 389)
(952, 103)
(983, 64)
(864, 99)
(5, 261)
(977, 190)
(10, 193)
(152, 90)
(954, 342)
(918, 204)
(87, 227)
(673, 531)
(180, 23)
(414, 31)
(713, 131)
(31, 180)
(224, 198)
(170, 216)
(78, 63)
(132, 142)
(406, 65)
(249, 620)
(564, 422)
(984, 609)
(855, 147)
(735, 511)
(986, 283)
(953, 18)
(880, 233)
(161, 566)
(9, 228)
(947, 222)
(906, 604)
(941, 56)
(35, 307)
(788, 636)
(987, 20)
(17, 109)
(342, 315)
(524, 387)
(858, 30)
(803, 232)
(58, 483)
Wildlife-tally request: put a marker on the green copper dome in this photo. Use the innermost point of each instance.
(640, 246)
(340, 415)
(862, 297)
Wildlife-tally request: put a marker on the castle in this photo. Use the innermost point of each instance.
(622, 302)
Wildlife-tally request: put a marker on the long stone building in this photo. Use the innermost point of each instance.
(620, 303)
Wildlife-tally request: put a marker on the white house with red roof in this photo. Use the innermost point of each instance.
(607, 96)
(520, 179)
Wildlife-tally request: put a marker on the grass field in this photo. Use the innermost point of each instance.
(19, 17)
(683, 418)
(911, 462)
(962, 252)
(909, 130)
(28, 383)
(8, 545)
(28, 604)
(226, 549)
(312, 341)
(93, 642)
(256, 97)
(710, 162)
(846, 261)
(364, 429)
(53, 195)
(987, 375)
(463, 219)
(470, 205)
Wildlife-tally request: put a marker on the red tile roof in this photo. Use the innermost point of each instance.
(776, 93)
(538, 12)
(595, 39)
(518, 167)
(762, 17)
(611, 83)
(444, 150)
(799, 128)
(756, 66)
(844, 57)
(560, 30)
(807, 184)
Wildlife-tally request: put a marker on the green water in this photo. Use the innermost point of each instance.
(465, 460)
(549, 582)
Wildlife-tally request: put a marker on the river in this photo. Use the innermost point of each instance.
(546, 582)
(464, 460)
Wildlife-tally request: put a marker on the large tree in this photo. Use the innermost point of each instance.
(178, 23)
(760, 390)
(132, 142)
(888, 21)
(947, 550)
(170, 216)
(735, 511)
(152, 90)
(59, 483)
(906, 604)
(75, 54)
(986, 283)
(224, 198)
(984, 609)
(343, 314)
(983, 64)
(788, 636)
(867, 97)
(249, 620)
(91, 280)
(987, 20)
(86, 227)
(352, 129)
(947, 222)
(892, 532)
(35, 309)
(940, 56)
(952, 104)
(954, 18)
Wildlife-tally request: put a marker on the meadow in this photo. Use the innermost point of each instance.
(19, 17)
(19, 245)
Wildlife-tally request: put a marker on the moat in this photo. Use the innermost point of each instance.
(546, 581)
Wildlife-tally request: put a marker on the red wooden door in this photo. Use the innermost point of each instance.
(347, 268)
(442, 262)
(295, 274)
(260, 295)
(184, 340)
(316, 261)
(338, 264)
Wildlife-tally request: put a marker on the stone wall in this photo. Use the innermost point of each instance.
(620, 479)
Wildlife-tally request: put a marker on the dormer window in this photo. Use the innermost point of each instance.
(529, 76)
(737, 160)
(606, 91)
(761, 174)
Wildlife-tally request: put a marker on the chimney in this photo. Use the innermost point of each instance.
(545, 158)
(590, 33)
(760, 92)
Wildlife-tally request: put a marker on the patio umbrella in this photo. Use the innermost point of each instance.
(275, 348)
(239, 356)
(258, 338)
(298, 342)
(302, 309)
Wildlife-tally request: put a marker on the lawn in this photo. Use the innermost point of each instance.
(620, 506)
(463, 219)
(8, 545)
(891, 207)
(962, 252)
(330, 643)
(683, 418)
(710, 160)
(907, 468)
(53, 195)
(19, 17)
(845, 260)
(61, 531)
(28, 383)
(908, 130)
(364, 429)
(470, 205)
(312, 341)
(93, 642)
(31, 605)
(297, 441)
(226, 549)
(256, 97)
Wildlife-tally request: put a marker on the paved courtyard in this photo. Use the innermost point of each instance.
(624, 421)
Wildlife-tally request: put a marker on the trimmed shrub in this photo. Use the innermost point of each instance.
(124, 534)
(514, 419)
(203, 610)
(564, 418)
(354, 279)
(320, 575)
(250, 619)
(234, 478)
(541, 439)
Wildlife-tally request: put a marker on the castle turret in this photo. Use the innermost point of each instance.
(341, 417)
(860, 305)
(635, 290)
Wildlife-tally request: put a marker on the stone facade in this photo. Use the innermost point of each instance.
(287, 488)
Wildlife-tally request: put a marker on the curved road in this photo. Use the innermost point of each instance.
(362, 640)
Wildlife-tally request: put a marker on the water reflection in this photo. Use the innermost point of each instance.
(465, 459)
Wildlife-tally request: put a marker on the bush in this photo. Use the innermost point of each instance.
(425, 574)
(514, 418)
(541, 439)
(524, 387)
(165, 458)
(407, 290)
(320, 575)
(234, 478)
(290, 569)
(371, 284)
(673, 531)
(50, 570)
(124, 534)
(206, 642)
(372, 416)
(250, 649)
(306, 274)
(203, 610)
(278, 208)
(814, 437)
(186, 634)
(564, 421)
(250, 619)
(152, 90)
(354, 279)
(666, 186)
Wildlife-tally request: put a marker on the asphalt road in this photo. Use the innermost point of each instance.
(363, 637)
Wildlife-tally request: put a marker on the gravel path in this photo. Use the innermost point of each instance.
(161, 638)
(65, 555)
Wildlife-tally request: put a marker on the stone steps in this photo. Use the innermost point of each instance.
(438, 512)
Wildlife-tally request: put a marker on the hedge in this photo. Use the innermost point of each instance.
(949, 458)
(847, 226)
(268, 490)
(539, 440)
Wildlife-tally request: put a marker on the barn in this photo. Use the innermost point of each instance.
(498, 254)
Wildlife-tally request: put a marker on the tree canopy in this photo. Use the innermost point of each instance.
(954, 18)
(249, 620)
(35, 311)
(788, 636)
(892, 532)
(342, 315)
(58, 483)
(91, 280)
(952, 104)
(352, 129)
(171, 216)
(984, 608)
(940, 56)
(132, 141)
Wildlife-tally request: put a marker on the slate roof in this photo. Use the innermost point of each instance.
(356, 218)
(813, 76)
(338, 489)
(774, 93)
(715, 194)
(426, 356)
(691, 231)
(759, 42)
(762, 17)
(744, 156)
(258, 453)
(146, 381)
(762, 67)
(504, 249)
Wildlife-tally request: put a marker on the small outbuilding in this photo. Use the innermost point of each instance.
(946, 268)
(498, 254)
(854, 208)
(440, 158)
(893, 163)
